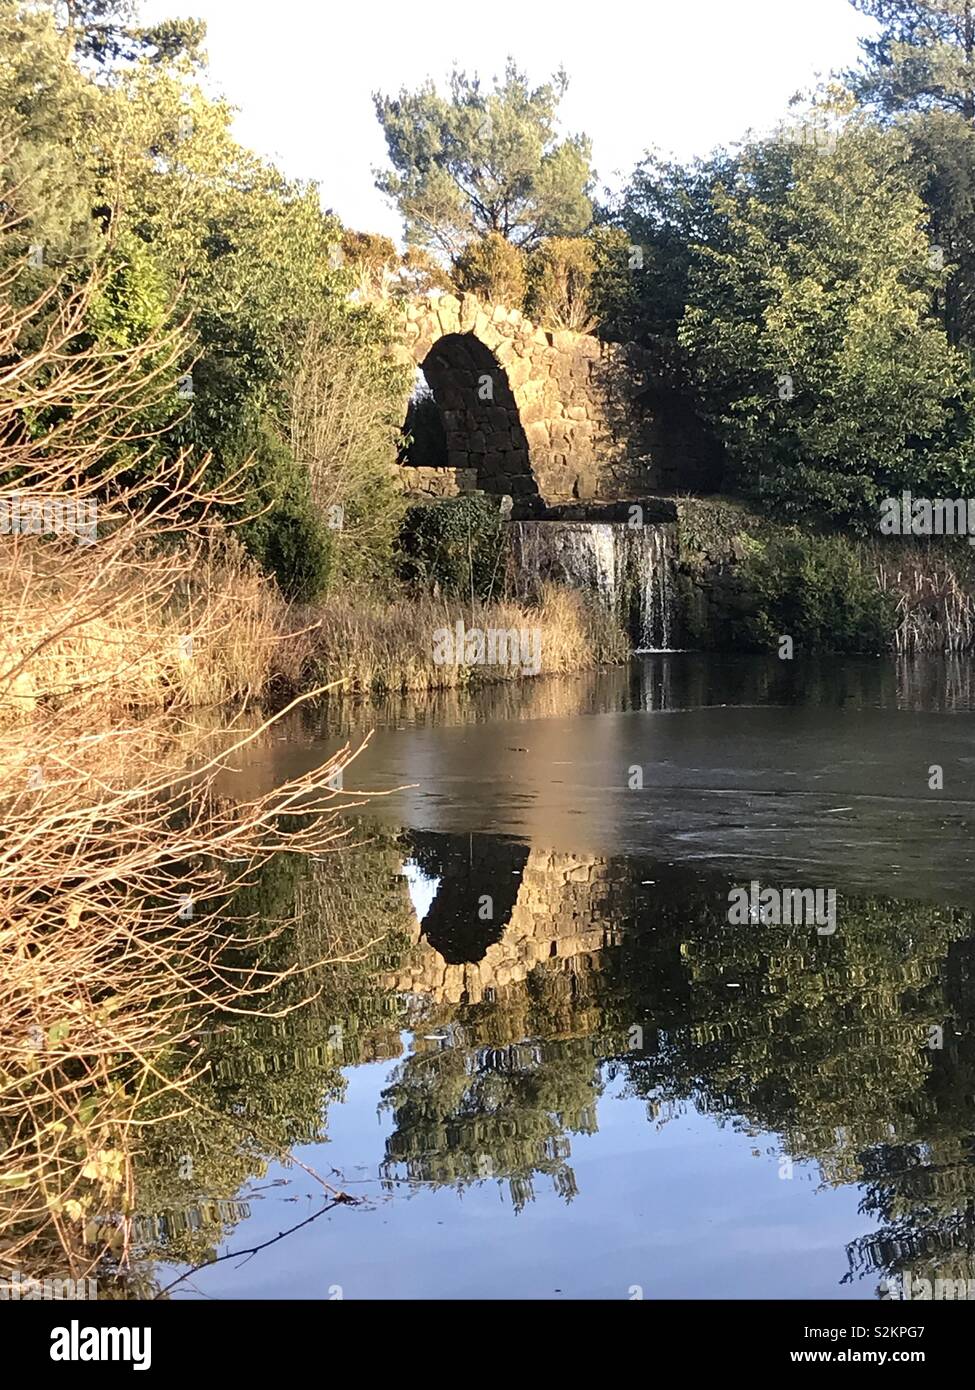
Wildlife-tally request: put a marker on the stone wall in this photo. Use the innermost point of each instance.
(549, 417)
(438, 482)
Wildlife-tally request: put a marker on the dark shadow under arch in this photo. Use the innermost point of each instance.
(482, 423)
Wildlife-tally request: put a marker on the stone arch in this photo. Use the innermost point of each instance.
(481, 418)
(568, 425)
(532, 448)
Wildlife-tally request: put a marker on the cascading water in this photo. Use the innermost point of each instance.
(630, 569)
(652, 563)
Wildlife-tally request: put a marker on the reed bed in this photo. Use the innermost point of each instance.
(933, 597)
(376, 647)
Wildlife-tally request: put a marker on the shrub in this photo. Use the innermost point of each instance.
(287, 533)
(560, 274)
(821, 591)
(494, 269)
(454, 545)
(343, 428)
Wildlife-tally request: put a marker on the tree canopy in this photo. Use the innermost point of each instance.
(480, 161)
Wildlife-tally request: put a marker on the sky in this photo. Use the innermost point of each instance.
(682, 76)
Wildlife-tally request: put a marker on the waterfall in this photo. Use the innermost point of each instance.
(630, 569)
(652, 564)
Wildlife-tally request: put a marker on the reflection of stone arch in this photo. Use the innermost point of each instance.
(562, 906)
(468, 870)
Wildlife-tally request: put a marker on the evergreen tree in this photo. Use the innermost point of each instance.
(484, 161)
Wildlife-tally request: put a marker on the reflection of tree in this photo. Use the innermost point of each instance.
(505, 1111)
(265, 1084)
(922, 1190)
(823, 1040)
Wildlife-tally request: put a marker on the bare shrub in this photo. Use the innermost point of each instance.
(119, 857)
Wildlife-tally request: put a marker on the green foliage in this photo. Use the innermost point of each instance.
(924, 53)
(286, 532)
(492, 268)
(666, 212)
(820, 591)
(455, 544)
(132, 301)
(483, 161)
(919, 70)
(123, 162)
(809, 333)
(560, 273)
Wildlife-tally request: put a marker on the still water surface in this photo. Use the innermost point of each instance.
(554, 1070)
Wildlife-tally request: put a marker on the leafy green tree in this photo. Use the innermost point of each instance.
(643, 271)
(121, 159)
(810, 334)
(482, 161)
(924, 55)
(920, 71)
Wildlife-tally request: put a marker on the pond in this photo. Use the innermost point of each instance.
(551, 1062)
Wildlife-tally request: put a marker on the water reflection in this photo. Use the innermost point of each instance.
(521, 997)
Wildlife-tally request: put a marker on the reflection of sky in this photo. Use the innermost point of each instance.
(422, 888)
(693, 1208)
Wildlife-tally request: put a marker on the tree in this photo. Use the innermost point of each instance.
(666, 210)
(810, 333)
(923, 57)
(920, 71)
(119, 156)
(478, 162)
(105, 32)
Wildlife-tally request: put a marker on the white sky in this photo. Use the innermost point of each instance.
(682, 75)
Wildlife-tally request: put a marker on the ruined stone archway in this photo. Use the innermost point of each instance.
(565, 424)
(482, 422)
(573, 419)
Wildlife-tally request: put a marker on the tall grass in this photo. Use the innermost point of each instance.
(934, 603)
(377, 647)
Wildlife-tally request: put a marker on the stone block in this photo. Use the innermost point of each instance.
(533, 411)
(469, 309)
(518, 371)
(564, 340)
